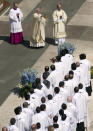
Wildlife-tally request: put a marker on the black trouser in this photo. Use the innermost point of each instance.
(80, 126)
(89, 89)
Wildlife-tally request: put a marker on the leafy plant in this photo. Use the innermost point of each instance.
(28, 77)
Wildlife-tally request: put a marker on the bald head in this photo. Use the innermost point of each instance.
(77, 64)
(4, 129)
(59, 6)
(51, 128)
(69, 99)
(33, 127)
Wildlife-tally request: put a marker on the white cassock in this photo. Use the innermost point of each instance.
(85, 104)
(87, 65)
(39, 30)
(29, 115)
(40, 93)
(64, 125)
(15, 22)
(78, 101)
(59, 100)
(60, 69)
(46, 90)
(72, 109)
(82, 72)
(13, 128)
(64, 60)
(42, 118)
(54, 78)
(59, 32)
(36, 118)
(35, 99)
(32, 106)
(69, 86)
(70, 60)
(64, 93)
(21, 122)
(50, 108)
(76, 76)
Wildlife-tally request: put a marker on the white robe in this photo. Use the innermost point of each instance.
(35, 99)
(69, 86)
(46, 90)
(82, 72)
(21, 122)
(31, 105)
(85, 104)
(15, 22)
(59, 24)
(40, 93)
(12, 128)
(64, 93)
(59, 100)
(78, 101)
(70, 60)
(42, 118)
(87, 65)
(64, 125)
(29, 115)
(64, 60)
(76, 76)
(54, 78)
(60, 69)
(39, 30)
(72, 109)
(51, 108)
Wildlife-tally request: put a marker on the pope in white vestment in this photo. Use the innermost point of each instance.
(59, 19)
(39, 29)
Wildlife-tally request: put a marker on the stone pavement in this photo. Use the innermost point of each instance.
(83, 43)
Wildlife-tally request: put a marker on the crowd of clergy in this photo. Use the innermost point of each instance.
(58, 100)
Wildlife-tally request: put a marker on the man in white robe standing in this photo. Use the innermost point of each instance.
(29, 113)
(72, 109)
(87, 77)
(78, 101)
(85, 104)
(59, 19)
(39, 29)
(16, 16)
(20, 119)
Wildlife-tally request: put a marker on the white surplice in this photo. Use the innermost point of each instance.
(15, 22)
(13, 128)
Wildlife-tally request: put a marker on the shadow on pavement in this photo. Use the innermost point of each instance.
(50, 41)
(5, 38)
